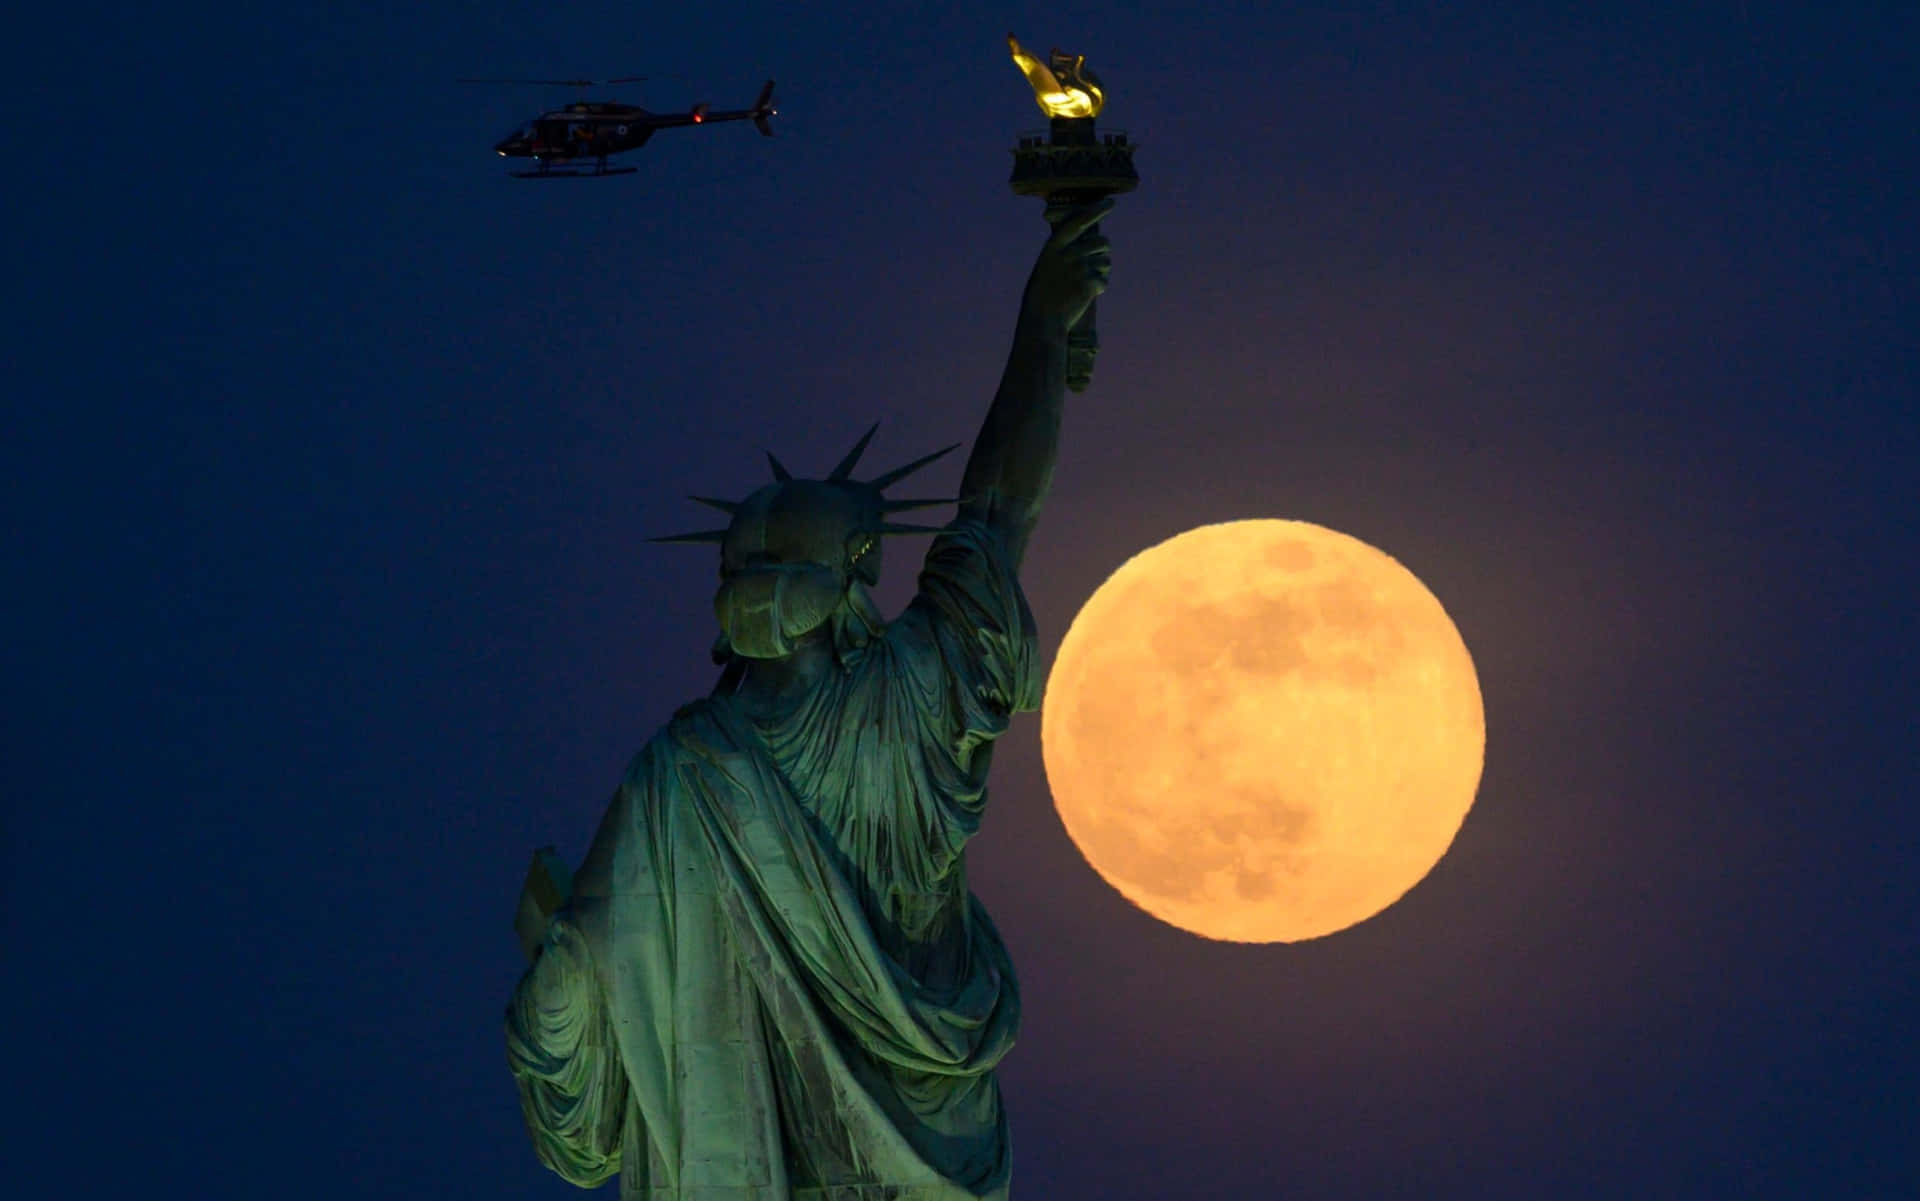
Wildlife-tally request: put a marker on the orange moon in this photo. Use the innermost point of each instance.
(1263, 731)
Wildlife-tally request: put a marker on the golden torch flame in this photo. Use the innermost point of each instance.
(1062, 88)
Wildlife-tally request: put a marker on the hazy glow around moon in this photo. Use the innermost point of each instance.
(1263, 731)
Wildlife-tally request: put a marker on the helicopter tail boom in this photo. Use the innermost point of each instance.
(758, 114)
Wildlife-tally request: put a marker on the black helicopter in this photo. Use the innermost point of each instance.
(577, 139)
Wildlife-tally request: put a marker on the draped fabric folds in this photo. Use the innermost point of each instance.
(771, 981)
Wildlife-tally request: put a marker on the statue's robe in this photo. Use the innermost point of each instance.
(771, 980)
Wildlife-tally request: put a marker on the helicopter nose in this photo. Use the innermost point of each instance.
(508, 147)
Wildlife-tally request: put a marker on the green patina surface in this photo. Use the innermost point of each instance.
(770, 979)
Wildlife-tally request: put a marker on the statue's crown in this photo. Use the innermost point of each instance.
(856, 506)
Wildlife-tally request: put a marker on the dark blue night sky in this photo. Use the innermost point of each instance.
(332, 452)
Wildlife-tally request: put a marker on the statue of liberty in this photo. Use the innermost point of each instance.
(770, 980)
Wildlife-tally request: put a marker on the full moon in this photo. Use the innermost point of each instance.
(1263, 731)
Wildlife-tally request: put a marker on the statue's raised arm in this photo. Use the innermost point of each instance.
(1011, 468)
(768, 978)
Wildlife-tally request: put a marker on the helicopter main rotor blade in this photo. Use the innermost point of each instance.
(557, 83)
(562, 83)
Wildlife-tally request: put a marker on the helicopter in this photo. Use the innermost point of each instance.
(576, 140)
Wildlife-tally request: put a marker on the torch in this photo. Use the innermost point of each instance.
(1070, 164)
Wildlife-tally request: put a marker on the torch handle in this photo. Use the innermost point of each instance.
(1083, 340)
(1083, 343)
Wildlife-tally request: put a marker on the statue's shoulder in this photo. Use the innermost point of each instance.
(691, 727)
(683, 717)
(709, 728)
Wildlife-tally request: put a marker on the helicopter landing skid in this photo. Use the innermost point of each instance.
(572, 172)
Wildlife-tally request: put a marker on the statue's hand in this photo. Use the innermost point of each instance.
(1071, 271)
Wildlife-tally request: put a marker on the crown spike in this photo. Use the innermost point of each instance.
(701, 536)
(845, 467)
(780, 473)
(899, 473)
(729, 507)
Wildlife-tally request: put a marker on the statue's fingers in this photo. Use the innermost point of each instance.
(1079, 221)
(1092, 258)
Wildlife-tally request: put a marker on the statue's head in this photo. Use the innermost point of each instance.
(800, 554)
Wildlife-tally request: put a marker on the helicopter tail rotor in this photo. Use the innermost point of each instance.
(763, 108)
